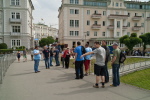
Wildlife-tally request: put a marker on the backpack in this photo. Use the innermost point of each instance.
(122, 57)
(83, 50)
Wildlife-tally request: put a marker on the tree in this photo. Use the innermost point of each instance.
(3, 46)
(145, 39)
(131, 41)
(46, 41)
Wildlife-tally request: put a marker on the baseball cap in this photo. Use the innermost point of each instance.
(115, 44)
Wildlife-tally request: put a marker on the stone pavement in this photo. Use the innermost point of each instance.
(21, 83)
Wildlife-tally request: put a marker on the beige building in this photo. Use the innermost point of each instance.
(96, 20)
(16, 23)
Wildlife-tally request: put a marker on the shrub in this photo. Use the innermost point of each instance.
(3, 46)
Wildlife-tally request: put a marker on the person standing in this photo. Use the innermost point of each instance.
(25, 55)
(18, 56)
(51, 56)
(108, 58)
(46, 55)
(56, 55)
(67, 58)
(37, 58)
(32, 54)
(62, 57)
(87, 59)
(79, 61)
(115, 65)
(99, 66)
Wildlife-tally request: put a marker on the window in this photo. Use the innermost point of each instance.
(95, 12)
(95, 33)
(113, 4)
(120, 4)
(118, 24)
(135, 24)
(103, 23)
(141, 33)
(95, 22)
(71, 11)
(76, 11)
(143, 15)
(88, 22)
(76, 23)
(118, 33)
(88, 12)
(116, 4)
(117, 13)
(15, 2)
(71, 1)
(128, 24)
(129, 14)
(71, 33)
(104, 13)
(71, 23)
(76, 33)
(88, 33)
(15, 15)
(15, 43)
(103, 34)
(16, 29)
(128, 33)
(142, 24)
(76, 1)
(136, 14)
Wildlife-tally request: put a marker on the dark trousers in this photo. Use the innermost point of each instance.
(67, 60)
(63, 61)
(79, 69)
(47, 62)
(116, 77)
(57, 60)
(106, 72)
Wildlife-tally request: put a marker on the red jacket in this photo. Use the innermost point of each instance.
(66, 53)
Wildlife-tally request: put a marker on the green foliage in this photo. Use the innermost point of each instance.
(46, 41)
(6, 51)
(145, 39)
(131, 41)
(3, 46)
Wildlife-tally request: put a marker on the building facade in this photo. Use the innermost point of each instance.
(96, 20)
(43, 31)
(17, 23)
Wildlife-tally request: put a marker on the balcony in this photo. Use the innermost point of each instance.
(96, 16)
(136, 28)
(14, 20)
(115, 16)
(96, 26)
(124, 27)
(15, 34)
(110, 27)
(148, 18)
(137, 18)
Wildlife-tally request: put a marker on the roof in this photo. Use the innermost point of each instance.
(31, 4)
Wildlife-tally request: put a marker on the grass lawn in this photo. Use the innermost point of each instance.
(128, 61)
(140, 79)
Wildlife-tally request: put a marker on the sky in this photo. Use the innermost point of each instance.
(48, 11)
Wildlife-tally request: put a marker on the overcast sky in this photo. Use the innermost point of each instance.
(48, 11)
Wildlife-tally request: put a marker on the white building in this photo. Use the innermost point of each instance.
(17, 23)
(97, 20)
(43, 31)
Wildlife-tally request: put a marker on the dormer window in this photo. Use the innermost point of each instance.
(15, 2)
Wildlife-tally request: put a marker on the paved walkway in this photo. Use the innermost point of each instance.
(21, 83)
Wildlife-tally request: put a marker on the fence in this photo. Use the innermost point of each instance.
(5, 61)
(133, 64)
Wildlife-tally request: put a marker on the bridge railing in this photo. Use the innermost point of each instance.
(5, 61)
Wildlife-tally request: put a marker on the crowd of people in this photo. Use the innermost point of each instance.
(82, 57)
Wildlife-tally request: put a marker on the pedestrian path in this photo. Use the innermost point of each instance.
(21, 83)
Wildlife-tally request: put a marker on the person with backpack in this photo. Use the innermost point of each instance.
(79, 61)
(116, 65)
(108, 58)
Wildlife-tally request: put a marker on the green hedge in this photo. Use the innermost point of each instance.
(3, 46)
(7, 51)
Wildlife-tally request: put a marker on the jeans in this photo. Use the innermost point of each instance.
(51, 60)
(79, 69)
(57, 61)
(106, 72)
(46, 62)
(116, 77)
(36, 64)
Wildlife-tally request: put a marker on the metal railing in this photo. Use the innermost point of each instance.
(5, 61)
